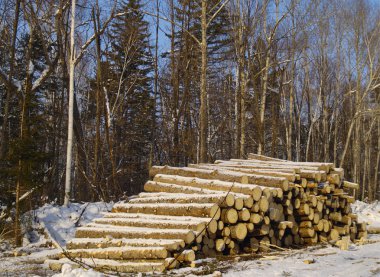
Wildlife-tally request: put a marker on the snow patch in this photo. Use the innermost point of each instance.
(68, 271)
(369, 213)
(61, 221)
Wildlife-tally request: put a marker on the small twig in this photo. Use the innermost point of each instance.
(80, 216)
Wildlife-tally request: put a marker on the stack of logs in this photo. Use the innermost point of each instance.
(229, 207)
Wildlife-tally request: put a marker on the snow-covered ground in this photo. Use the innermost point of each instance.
(369, 213)
(359, 260)
(362, 260)
(61, 223)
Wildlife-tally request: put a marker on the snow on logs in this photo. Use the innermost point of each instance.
(224, 208)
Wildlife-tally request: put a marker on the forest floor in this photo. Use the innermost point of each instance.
(358, 260)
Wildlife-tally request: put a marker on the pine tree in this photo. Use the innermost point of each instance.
(131, 65)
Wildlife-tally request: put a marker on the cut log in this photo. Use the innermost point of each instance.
(350, 185)
(291, 177)
(255, 191)
(263, 204)
(185, 256)
(112, 265)
(306, 232)
(244, 215)
(157, 187)
(229, 216)
(192, 209)
(373, 229)
(220, 245)
(239, 231)
(102, 231)
(264, 245)
(120, 253)
(86, 243)
(321, 166)
(224, 175)
(159, 224)
(333, 235)
(255, 218)
(226, 200)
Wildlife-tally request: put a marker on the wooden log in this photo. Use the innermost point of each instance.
(333, 235)
(333, 178)
(373, 229)
(116, 266)
(306, 232)
(304, 209)
(85, 243)
(220, 245)
(253, 190)
(250, 227)
(350, 185)
(102, 231)
(291, 177)
(239, 204)
(254, 244)
(224, 200)
(256, 218)
(259, 166)
(319, 226)
(239, 231)
(226, 232)
(285, 224)
(220, 225)
(339, 171)
(311, 240)
(160, 224)
(305, 224)
(335, 216)
(223, 175)
(185, 256)
(321, 166)
(244, 214)
(120, 253)
(263, 204)
(342, 230)
(264, 244)
(185, 209)
(261, 230)
(229, 216)
(158, 187)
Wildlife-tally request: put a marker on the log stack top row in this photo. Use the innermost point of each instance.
(225, 208)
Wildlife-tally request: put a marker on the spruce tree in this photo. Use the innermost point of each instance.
(131, 65)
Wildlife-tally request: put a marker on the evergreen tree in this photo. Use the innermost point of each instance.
(131, 66)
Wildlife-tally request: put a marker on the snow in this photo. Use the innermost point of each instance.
(68, 271)
(358, 261)
(369, 213)
(30, 68)
(60, 221)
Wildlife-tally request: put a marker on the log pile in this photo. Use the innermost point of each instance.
(224, 208)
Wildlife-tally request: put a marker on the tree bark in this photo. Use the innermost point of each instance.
(71, 108)
(203, 108)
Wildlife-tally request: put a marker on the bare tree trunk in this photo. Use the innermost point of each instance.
(98, 107)
(25, 99)
(10, 88)
(377, 172)
(237, 112)
(203, 109)
(71, 108)
(261, 146)
(153, 141)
